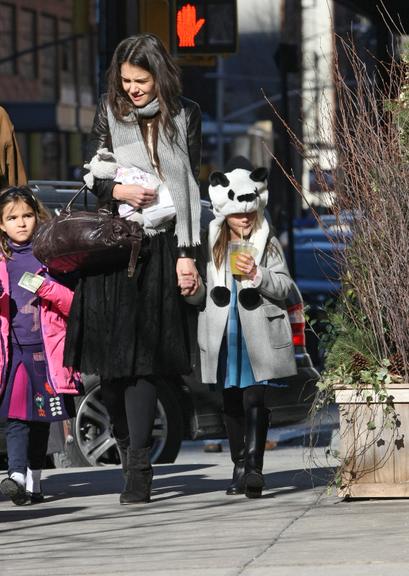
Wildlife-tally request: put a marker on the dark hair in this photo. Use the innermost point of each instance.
(148, 52)
(13, 195)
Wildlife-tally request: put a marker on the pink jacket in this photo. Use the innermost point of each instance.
(55, 303)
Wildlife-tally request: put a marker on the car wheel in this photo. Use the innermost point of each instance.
(91, 442)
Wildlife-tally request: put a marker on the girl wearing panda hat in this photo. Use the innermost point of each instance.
(244, 332)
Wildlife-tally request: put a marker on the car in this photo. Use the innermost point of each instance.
(318, 250)
(318, 256)
(186, 409)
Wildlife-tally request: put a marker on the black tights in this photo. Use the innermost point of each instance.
(131, 406)
(236, 401)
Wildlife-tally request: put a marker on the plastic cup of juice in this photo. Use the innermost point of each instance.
(236, 247)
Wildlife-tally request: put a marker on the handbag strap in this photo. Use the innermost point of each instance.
(133, 259)
(68, 206)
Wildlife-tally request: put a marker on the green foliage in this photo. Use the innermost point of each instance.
(346, 334)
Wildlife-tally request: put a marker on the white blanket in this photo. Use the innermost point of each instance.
(160, 211)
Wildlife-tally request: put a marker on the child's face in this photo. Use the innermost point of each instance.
(18, 221)
(241, 223)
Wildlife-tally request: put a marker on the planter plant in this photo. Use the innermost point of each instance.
(366, 340)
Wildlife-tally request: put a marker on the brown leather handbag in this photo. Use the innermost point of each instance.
(89, 241)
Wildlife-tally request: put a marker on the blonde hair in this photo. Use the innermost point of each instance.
(13, 195)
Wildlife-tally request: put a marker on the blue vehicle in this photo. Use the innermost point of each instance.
(317, 256)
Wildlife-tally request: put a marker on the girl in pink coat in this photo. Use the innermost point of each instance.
(34, 385)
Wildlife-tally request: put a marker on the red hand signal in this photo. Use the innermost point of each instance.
(187, 26)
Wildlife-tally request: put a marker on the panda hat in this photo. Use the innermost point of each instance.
(241, 189)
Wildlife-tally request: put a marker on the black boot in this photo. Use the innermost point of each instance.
(235, 433)
(257, 420)
(139, 477)
(123, 445)
(236, 485)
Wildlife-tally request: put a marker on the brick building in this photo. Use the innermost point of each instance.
(47, 80)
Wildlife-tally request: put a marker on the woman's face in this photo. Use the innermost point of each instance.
(241, 224)
(138, 84)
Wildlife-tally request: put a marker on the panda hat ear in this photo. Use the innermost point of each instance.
(259, 174)
(239, 162)
(218, 179)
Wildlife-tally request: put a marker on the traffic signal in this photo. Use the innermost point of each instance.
(206, 26)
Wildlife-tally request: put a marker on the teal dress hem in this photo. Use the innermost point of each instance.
(235, 369)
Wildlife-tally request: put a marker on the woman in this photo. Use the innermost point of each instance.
(129, 330)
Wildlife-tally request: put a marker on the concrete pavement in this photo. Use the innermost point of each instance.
(191, 528)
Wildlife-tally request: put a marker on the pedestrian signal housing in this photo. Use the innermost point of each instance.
(206, 26)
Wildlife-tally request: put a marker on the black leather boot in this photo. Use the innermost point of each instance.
(123, 445)
(236, 485)
(139, 477)
(257, 420)
(235, 433)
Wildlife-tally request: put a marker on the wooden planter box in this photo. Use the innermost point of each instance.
(375, 462)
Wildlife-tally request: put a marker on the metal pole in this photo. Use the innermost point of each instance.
(220, 112)
(287, 159)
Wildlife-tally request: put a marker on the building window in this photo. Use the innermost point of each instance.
(66, 47)
(8, 44)
(48, 58)
(28, 63)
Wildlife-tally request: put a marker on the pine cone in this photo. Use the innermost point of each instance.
(359, 362)
(397, 364)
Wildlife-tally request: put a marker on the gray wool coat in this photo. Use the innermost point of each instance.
(266, 328)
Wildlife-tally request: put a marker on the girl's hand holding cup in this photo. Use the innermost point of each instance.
(246, 264)
(241, 258)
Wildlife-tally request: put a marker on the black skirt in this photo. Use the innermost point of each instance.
(122, 327)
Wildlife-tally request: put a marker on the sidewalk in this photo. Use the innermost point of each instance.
(192, 528)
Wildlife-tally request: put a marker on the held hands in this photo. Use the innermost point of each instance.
(135, 195)
(188, 276)
(246, 264)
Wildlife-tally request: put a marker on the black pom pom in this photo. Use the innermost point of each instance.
(220, 295)
(249, 298)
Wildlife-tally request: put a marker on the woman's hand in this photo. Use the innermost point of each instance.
(135, 195)
(246, 264)
(188, 276)
(188, 286)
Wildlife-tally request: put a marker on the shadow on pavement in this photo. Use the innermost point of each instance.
(20, 513)
(289, 481)
(176, 484)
